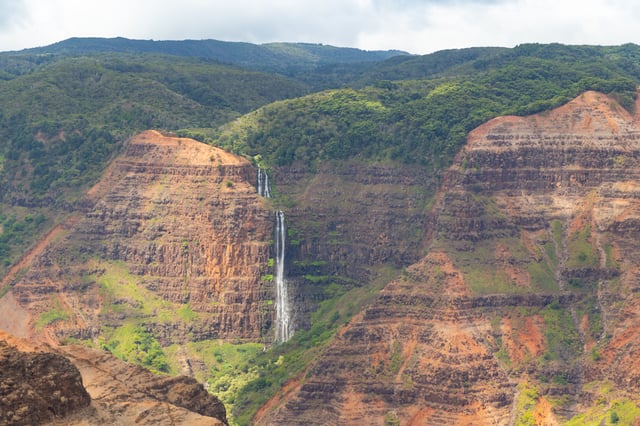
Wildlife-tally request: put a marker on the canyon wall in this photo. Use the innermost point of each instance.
(349, 223)
(529, 287)
(522, 273)
(174, 237)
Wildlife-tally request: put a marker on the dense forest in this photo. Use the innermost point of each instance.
(425, 120)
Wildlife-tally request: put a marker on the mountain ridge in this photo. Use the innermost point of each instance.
(275, 57)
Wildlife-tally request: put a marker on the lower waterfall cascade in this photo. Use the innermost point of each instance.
(284, 329)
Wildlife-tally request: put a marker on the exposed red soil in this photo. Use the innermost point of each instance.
(523, 337)
(288, 389)
(543, 414)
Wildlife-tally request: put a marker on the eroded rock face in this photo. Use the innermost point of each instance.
(37, 388)
(75, 385)
(531, 270)
(350, 220)
(173, 223)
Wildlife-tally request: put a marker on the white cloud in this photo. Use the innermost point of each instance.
(437, 25)
(12, 13)
(418, 26)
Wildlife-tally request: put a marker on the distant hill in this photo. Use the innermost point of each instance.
(285, 58)
(414, 67)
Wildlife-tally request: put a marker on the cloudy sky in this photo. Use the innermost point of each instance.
(417, 26)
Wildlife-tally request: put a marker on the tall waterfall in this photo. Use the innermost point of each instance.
(283, 308)
(263, 183)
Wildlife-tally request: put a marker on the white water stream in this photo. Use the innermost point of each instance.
(263, 184)
(283, 308)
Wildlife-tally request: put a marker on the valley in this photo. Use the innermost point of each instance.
(455, 247)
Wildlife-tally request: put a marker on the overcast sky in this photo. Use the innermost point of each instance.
(416, 26)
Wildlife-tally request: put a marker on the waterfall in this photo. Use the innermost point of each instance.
(263, 184)
(283, 309)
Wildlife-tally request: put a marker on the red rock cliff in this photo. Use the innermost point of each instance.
(173, 224)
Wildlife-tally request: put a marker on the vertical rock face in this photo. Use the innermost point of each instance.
(175, 233)
(355, 215)
(530, 281)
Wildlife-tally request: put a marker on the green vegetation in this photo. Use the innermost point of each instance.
(616, 411)
(66, 118)
(185, 313)
(563, 339)
(133, 344)
(581, 250)
(124, 294)
(611, 261)
(391, 419)
(527, 399)
(315, 64)
(557, 232)
(18, 229)
(425, 121)
(57, 313)
(231, 367)
(588, 307)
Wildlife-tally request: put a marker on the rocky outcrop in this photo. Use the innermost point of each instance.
(37, 388)
(125, 394)
(531, 270)
(173, 223)
(75, 385)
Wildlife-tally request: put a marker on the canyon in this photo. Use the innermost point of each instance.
(509, 284)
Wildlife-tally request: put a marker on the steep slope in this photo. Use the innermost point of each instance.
(527, 298)
(171, 243)
(352, 223)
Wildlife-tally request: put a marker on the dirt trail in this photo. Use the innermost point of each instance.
(37, 249)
